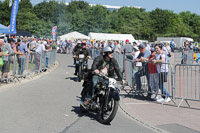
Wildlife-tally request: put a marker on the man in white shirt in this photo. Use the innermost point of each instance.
(40, 48)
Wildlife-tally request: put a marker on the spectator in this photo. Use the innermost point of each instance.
(134, 44)
(153, 74)
(117, 48)
(111, 45)
(135, 54)
(69, 46)
(147, 47)
(166, 48)
(48, 48)
(127, 50)
(22, 58)
(7, 50)
(172, 45)
(163, 73)
(142, 57)
(40, 48)
(184, 53)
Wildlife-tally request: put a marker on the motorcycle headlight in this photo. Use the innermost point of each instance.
(81, 56)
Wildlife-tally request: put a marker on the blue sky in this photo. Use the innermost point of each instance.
(175, 5)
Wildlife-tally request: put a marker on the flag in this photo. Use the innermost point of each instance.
(10, 3)
(14, 17)
(54, 32)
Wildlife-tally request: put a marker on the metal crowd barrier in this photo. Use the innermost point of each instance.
(120, 60)
(187, 83)
(95, 52)
(129, 72)
(186, 57)
(183, 82)
(142, 74)
(28, 65)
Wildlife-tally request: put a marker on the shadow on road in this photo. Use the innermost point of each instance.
(142, 98)
(72, 78)
(71, 66)
(77, 110)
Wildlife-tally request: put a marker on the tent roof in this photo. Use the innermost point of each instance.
(108, 36)
(74, 35)
(4, 29)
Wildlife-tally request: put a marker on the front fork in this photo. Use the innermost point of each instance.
(107, 98)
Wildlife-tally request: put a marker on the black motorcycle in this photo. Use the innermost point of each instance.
(105, 100)
(82, 61)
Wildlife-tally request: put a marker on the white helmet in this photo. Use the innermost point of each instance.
(78, 41)
(107, 49)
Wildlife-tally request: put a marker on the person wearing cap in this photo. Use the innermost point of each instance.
(142, 57)
(127, 50)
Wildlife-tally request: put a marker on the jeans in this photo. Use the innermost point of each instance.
(162, 87)
(22, 62)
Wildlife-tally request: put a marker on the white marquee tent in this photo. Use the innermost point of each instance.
(74, 35)
(107, 36)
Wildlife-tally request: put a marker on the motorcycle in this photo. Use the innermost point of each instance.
(105, 100)
(82, 61)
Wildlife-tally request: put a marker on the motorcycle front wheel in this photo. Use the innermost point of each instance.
(107, 114)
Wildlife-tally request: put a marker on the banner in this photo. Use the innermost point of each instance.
(54, 32)
(10, 3)
(14, 17)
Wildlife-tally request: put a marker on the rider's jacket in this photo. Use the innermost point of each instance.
(84, 51)
(99, 62)
(76, 48)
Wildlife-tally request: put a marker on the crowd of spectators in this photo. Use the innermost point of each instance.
(22, 49)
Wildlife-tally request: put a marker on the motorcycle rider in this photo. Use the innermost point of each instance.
(84, 50)
(76, 48)
(107, 65)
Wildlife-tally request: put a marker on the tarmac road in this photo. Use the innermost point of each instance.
(50, 104)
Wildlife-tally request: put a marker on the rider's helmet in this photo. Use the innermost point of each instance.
(83, 44)
(108, 49)
(78, 42)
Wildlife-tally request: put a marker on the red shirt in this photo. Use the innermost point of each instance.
(152, 66)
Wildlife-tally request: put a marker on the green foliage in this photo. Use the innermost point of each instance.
(79, 16)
